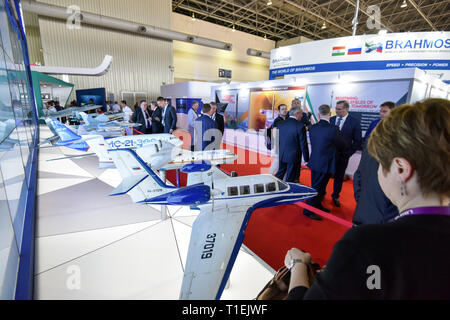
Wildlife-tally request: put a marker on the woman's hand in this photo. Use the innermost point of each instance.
(299, 273)
(295, 253)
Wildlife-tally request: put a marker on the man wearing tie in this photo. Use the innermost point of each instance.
(351, 131)
(218, 118)
(141, 115)
(206, 131)
(192, 116)
(292, 146)
(169, 116)
(326, 141)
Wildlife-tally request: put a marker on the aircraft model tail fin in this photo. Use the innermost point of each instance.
(85, 117)
(98, 145)
(61, 130)
(139, 181)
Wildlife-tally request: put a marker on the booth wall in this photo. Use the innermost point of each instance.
(193, 62)
(139, 63)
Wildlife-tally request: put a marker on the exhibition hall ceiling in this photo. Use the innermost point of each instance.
(318, 19)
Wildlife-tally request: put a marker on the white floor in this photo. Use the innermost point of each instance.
(92, 246)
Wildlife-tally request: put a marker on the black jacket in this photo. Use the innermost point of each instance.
(372, 205)
(157, 126)
(220, 122)
(293, 142)
(170, 119)
(326, 141)
(138, 117)
(411, 254)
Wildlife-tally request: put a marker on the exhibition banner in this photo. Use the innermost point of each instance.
(425, 50)
(364, 98)
(264, 104)
(255, 108)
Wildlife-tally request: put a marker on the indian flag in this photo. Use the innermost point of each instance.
(338, 51)
(309, 108)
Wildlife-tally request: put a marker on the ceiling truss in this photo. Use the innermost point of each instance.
(285, 19)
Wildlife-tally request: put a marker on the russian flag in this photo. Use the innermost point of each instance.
(354, 51)
(136, 168)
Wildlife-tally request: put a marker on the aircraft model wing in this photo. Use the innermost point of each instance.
(68, 111)
(215, 241)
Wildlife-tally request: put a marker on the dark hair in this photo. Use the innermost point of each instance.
(194, 102)
(344, 102)
(206, 108)
(161, 99)
(279, 106)
(419, 133)
(389, 104)
(123, 101)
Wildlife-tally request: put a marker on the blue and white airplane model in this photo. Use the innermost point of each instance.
(65, 137)
(226, 204)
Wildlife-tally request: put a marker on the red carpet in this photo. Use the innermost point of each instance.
(273, 231)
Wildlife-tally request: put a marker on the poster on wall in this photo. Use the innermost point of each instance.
(364, 97)
(264, 104)
(182, 106)
(228, 105)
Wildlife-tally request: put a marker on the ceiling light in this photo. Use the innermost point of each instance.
(265, 37)
(404, 4)
(269, 3)
(234, 29)
(382, 32)
(193, 17)
(324, 26)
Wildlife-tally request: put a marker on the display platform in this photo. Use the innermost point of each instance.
(92, 246)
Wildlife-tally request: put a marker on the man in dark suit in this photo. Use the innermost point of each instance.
(326, 142)
(273, 137)
(306, 117)
(157, 126)
(351, 131)
(372, 205)
(292, 146)
(218, 118)
(206, 131)
(142, 115)
(169, 115)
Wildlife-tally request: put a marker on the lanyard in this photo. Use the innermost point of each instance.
(440, 211)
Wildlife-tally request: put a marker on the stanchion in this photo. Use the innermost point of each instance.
(163, 208)
(325, 215)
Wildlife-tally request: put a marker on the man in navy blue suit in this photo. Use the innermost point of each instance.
(206, 130)
(326, 142)
(169, 115)
(292, 145)
(351, 131)
(372, 205)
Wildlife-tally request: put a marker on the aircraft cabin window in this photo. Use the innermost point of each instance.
(282, 186)
(259, 188)
(271, 187)
(232, 191)
(244, 190)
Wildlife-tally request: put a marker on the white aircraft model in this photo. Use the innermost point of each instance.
(67, 138)
(226, 204)
(162, 154)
